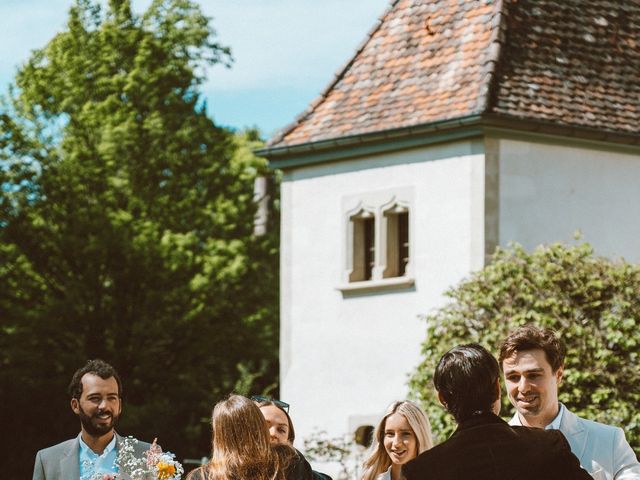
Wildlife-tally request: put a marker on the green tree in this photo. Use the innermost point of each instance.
(590, 301)
(126, 232)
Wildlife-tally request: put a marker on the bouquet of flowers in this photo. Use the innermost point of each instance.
(155, 465)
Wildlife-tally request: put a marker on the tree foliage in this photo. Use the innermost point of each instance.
(126, 232)
(592, 303)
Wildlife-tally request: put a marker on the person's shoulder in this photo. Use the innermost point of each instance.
(572, 424)
(537, 433)
(320, 475)
(597, 426)
(425, 461)
(542, 440)
(197, 474)
(58, 447)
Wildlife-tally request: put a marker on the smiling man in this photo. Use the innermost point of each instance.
(96, 398)
(532, 360)
(485, 447)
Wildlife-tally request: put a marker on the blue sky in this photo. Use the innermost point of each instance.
(285, 51)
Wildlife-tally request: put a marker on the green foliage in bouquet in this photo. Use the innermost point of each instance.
(127, 232)
(592, 303)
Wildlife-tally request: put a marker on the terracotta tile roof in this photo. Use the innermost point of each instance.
(573, 62)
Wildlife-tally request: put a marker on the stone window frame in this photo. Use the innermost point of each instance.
(380, 205)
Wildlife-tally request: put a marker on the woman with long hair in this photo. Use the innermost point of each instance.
(240, 447)
(403, 433)
(281, 432)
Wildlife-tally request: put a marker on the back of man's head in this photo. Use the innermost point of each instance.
(530, 337)
(96, 367)
(466, 379)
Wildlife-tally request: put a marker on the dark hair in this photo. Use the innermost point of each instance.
(466, 378)
(96, 367)
(269, 403)
(530, 337)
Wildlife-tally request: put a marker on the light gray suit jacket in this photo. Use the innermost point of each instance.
(603, 450)
(62, 461)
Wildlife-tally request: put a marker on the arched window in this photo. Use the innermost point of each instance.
(363, 226)
(397, 241)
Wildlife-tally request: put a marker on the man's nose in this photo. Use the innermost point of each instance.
(524, 386)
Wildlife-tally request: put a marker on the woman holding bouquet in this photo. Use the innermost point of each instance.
(241, 447)
(402, 434)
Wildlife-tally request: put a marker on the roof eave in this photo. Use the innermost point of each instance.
(336, 149)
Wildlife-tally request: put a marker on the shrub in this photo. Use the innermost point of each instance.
(593, 304)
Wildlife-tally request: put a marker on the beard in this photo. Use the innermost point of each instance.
(93, 425)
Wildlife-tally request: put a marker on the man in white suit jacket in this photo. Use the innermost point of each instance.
(96, 392)
(532, 360)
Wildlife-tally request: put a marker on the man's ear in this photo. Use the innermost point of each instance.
(559, 374)
(497, 404)
(75, 406)
(441, 400)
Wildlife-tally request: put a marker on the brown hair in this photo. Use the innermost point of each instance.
(530, 337)
(240, 445)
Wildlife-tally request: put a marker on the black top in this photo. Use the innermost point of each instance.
(486, 447)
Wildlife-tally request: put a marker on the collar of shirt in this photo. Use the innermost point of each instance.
(91, 463)
(555, 423)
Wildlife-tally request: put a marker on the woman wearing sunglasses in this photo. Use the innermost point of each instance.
(402, 434)
(241, 446)
(281, 432)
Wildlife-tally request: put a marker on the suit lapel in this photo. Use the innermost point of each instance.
(576, 435)
(70, 462)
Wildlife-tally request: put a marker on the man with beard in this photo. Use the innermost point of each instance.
(96, 397)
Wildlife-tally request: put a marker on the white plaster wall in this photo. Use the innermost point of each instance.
(343, 357)
(547, 192)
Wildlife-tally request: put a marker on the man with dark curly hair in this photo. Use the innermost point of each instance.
(96, 398)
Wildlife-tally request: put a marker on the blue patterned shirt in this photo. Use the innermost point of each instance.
(91, 463)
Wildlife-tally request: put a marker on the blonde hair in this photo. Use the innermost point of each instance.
(378, 460)
(240, 444)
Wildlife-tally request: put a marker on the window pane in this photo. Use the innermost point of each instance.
(364, 248)
(403, 242)
(369, 247)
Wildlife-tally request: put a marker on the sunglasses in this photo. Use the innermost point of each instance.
(283, 405)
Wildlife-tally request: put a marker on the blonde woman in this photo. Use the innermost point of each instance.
(403, 433)
(241, 447)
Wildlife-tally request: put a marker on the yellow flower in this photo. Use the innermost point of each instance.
(165, 470)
